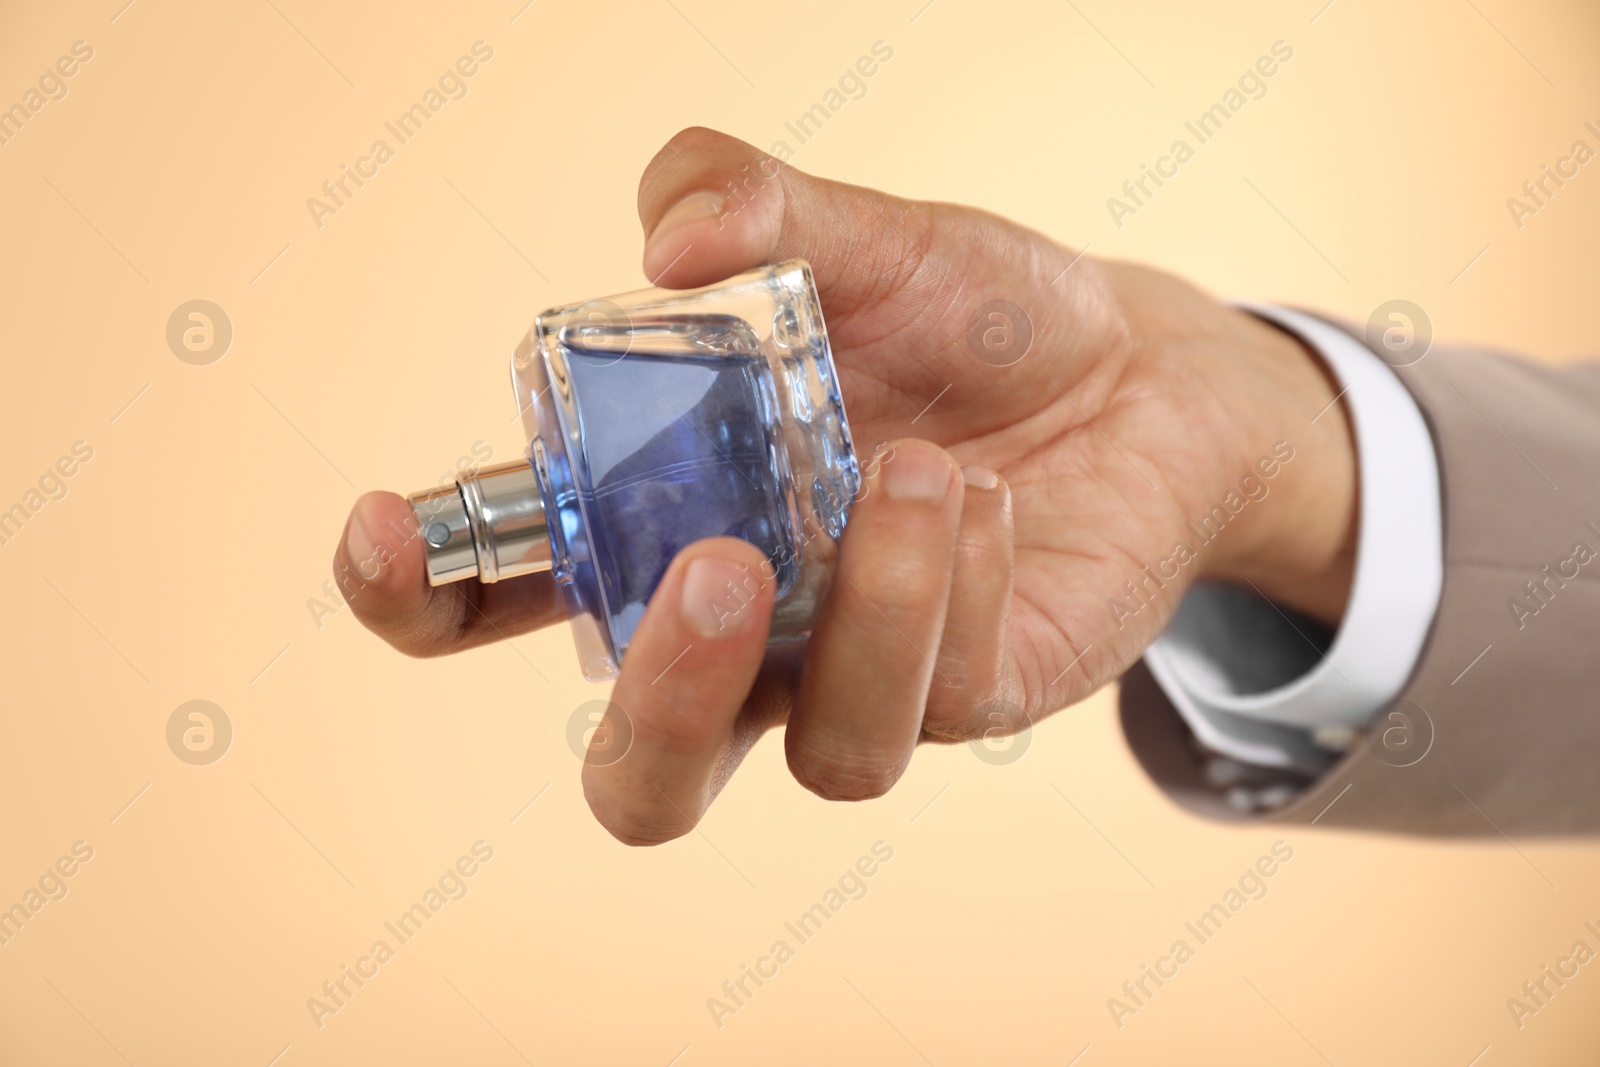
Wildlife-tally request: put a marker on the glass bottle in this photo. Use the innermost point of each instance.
(655, 419)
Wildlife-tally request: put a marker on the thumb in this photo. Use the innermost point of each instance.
(713, 205)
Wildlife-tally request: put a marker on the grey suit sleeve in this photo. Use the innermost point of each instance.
(1499, 723)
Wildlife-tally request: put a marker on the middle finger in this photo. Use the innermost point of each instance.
(871, 656)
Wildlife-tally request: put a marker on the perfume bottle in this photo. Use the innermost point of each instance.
(655, 419)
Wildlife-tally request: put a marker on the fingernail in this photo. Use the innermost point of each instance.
(691, 209)
(359, 549)
(979, 477)
(715, 593)
(917, 472)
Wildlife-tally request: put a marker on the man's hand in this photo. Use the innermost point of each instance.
(1014, 505)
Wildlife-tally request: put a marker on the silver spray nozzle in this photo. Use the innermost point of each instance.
(489, 525)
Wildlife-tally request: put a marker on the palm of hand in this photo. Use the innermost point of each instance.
(1096, 445)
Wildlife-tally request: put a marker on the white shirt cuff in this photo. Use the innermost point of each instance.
(1259, 688)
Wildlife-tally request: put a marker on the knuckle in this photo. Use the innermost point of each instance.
(425, 637)
(639, 835)
(948, 732)
(636, 834)
(634, 828)
(965, 720)
(416, 649)
(693, 139)
(694, 155)
(844, 777)
(682, 144)
(964, 705)
(952, 709)
(969, 670)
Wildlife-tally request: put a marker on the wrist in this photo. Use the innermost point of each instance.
(1276, 505)
(1300, 551)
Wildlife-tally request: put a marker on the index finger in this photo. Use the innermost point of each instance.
(381, 572)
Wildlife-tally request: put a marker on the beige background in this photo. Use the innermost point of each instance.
(371, 353)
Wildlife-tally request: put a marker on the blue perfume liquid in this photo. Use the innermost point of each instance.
(678, 439)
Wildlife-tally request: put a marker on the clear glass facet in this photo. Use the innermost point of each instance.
(666, 416)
